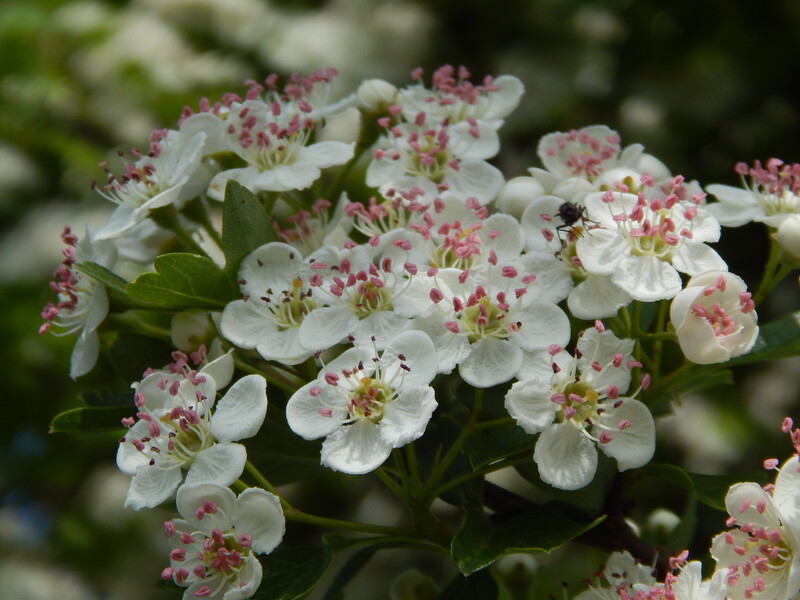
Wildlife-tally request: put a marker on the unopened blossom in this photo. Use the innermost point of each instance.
(788, 237)
(486, 321)
(577, 404)
(644, 243)
(760, 555)
(82, 302)
(376, 95)
(175, 430)
(170, 173)
(620, 571)
(714, 318)
(770, 196)
(437, 157)
(517, 194)
(364, 403)
(275, 282)
(454, 98)
(215, 543)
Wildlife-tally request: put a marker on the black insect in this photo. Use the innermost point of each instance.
(570, 213)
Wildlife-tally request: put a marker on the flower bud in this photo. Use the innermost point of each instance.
(376, 95)
(517, 194)
(714, 318)
(788, 237)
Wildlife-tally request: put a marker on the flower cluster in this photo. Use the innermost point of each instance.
(370, 274)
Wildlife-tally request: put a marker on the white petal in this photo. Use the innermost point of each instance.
(695, 258)
(736, 206)
(303, 411)
(247, 582)
(247, 323)
(565, 457)
(528, 402)
(84, 354)
(406, 417)
(633, 446)
(749, 496)
(476, 179)
(241, 411)
(259, 514)
(490, 362)
(543, 324)
(326, 326)
(597, 298)
(787, 493)
(600, 250)
(190, 497)
(355, 449)
(221, 464)
(151, 486)
(646, 278)
(327, 154)
(272, 266)
(420, 358)
(220, 369)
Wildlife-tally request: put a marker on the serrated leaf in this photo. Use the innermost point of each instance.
(480, 542)
(91, 419)
(290, 573)
(184, 281)
(98, 272)
(489, 445)
(245, 225)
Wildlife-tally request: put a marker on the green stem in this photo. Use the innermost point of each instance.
(167, 217)
(485, 470)
(286, 381)
(390, 483)
(130, 320)
(240, 485)
(294, 514)
(455, 449)
(494, 423)
(264, 483)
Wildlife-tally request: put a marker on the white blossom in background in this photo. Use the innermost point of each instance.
(771, 195)
(760, 556)
(578, 404)
(714, 318)
(169, 174)
(453, 98)
(620, 571)
(215, 543)
(82, 302)
(365, 404)
(176, 430)
(644, 243)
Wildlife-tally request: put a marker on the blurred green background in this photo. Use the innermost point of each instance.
(701, 84)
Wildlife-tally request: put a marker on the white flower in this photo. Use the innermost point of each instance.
(436, 158)
(214, 545)
(82, 302)
(761, 555)
(642, 244)
(486, 321)
(620, 571)
(277, 297)
(176, 430)
(170, 173)
(365, 405)
(772, 195)
(457, 100)
(714, 318)
(576, 403)
(376, 95)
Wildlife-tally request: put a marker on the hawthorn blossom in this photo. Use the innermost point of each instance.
(771, 195)
(275, 282)
(82, 302)
(170, 173)
(176, 430)
(485, 322)
(686, 584)
(364, 404)
(454, 99)
(760, 556)
(435, 158)
(714, 318)
(643, 244)
(620, 571)
(576, 404)
(214, 544)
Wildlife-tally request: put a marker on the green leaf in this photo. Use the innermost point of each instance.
(480, 542)
(184, 281)
(350, 569)
(480, 586)
(98, 272)
(245, 225)
(291, 573)
(132, 353)
(777, 339)
(490, 445)
(91, 419)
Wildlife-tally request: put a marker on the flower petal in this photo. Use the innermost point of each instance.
(241, 411)
(221, 464)
(566, 458)
(259, 514)
(355, 449)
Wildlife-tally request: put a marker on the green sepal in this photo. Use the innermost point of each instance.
(93, 419)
